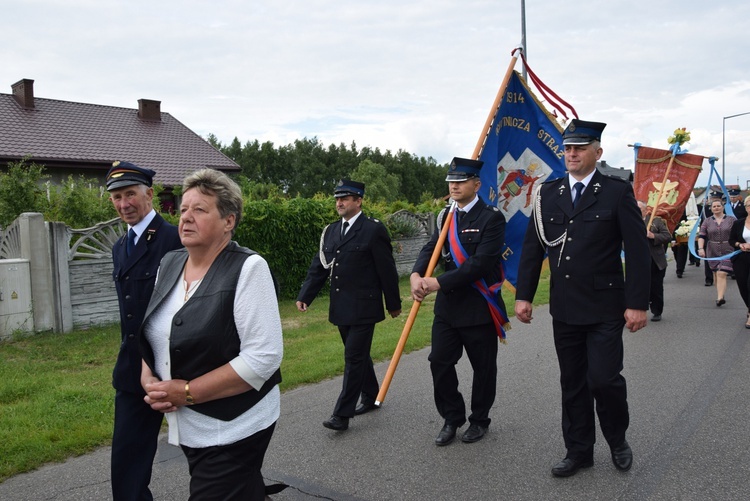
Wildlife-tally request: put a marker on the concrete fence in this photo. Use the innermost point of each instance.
(69, 283)
(53, 277)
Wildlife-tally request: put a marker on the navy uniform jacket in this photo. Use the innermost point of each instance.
(587, 281)
(363, 272)
(482, 233)
(739, 211)
(134, 278)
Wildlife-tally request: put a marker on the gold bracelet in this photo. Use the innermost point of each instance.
(189, 400)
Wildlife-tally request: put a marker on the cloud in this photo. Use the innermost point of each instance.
(413, 75)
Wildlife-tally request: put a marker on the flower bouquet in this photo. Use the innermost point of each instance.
(679, 137)
(682, 233)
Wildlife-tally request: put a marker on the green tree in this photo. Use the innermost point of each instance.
(305, 167)
(80, 202)
(21, 191)
(379, 185)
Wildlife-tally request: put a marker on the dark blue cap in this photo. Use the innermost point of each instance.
(734, 192)
(127, 174)
(463, 169)
(348, 187)
(582, 132)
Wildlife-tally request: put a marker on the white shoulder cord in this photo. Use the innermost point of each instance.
(446, 253)
(326, 264)
(539, 225)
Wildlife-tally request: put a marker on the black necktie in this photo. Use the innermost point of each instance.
(131, 242)
(579, 189)
(459, 216)
(343, 228)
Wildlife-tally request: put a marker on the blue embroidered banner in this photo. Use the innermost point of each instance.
(522, 150)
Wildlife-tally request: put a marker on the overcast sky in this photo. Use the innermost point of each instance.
(395, 74)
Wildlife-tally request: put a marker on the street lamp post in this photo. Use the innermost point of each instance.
(723, 154)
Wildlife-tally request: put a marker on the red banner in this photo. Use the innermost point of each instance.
(662, 186)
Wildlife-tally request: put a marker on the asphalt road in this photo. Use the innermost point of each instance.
(690, 432)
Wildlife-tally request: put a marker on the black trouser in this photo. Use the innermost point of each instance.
(656, 294)
(590, 358)
(741, 267)
(134, 441)
(229, 471)
(708, 271)
(359, 374)
(680, 257)
(448, 344)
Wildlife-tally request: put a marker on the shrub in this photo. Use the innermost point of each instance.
(79, 202)
(286, 232)
(20, 190)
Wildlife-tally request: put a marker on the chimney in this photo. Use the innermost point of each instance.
(149, 110)
(23, 92)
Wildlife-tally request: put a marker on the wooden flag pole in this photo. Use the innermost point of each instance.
(414, 310)
(441, 241)
(495, 105)
(661, 192)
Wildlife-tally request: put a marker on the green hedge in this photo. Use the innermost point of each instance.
(286, 232)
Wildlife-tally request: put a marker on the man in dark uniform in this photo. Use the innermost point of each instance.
(356, 253)
(584, 221)
(463, 317)
(738, 205)
(680, 251)
(136, 258)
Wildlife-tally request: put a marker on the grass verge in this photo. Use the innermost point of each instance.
(57, 401)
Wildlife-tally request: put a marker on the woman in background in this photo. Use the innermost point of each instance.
(739, 239)
(713, 241)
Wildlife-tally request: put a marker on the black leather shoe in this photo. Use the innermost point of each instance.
(709, 283)
(337, 423)
(721, 301)
(446, 435)
(656, 318)
(679, 274)
(473, 434)
(569, 467)
(365, 406)
(622, 456)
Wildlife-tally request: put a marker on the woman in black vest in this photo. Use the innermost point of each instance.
(212, 345)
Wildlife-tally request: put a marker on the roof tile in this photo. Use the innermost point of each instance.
(71, 132)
